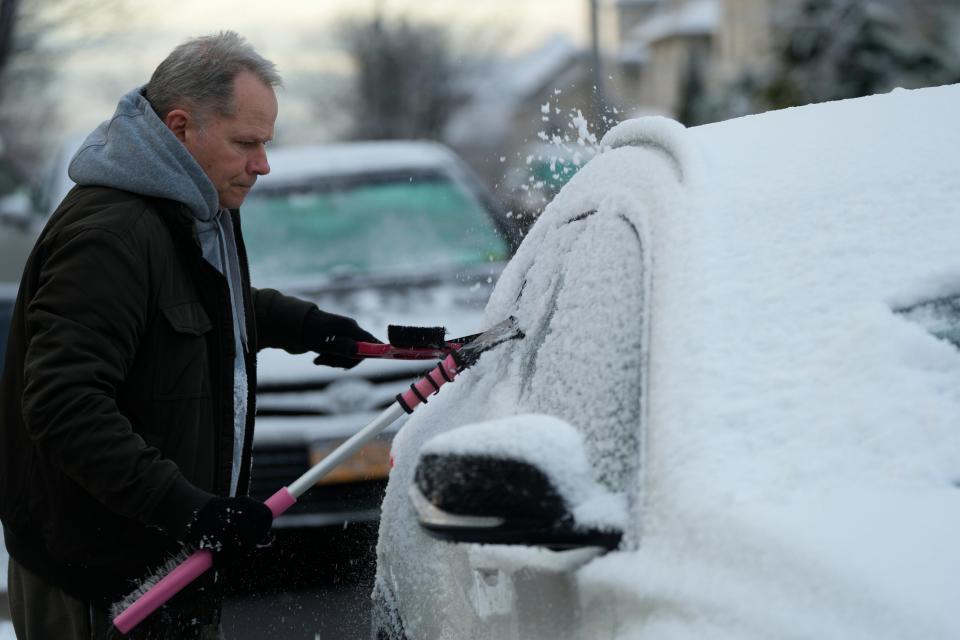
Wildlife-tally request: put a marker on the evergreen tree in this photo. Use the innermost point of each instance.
(836, 49)
(693, 91)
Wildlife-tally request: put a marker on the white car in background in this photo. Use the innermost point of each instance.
(736, 409)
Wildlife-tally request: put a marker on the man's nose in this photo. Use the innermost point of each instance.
(258, 164)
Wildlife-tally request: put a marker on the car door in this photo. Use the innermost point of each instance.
(580, 288)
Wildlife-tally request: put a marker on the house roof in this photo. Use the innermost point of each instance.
(498, 94)
(695, 18)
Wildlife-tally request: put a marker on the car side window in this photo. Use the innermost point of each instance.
(941, 317)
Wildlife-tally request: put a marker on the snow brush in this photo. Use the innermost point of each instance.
(460, 358)
(412, 343)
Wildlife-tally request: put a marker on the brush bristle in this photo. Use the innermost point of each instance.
(149, 581)
(423, 337)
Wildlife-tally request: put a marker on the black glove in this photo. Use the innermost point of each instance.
(334, 338)
(230, 527)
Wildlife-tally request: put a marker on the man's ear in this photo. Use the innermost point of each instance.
(177, 120)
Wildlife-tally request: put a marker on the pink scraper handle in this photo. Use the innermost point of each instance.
(185, 573)
(429, 384)
(389, 351)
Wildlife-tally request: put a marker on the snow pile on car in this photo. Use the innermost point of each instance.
(804, 448)
(521, 438)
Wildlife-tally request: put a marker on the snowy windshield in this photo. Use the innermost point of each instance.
(368, 224)
(939, 317)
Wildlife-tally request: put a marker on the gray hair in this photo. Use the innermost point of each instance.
(199, 74)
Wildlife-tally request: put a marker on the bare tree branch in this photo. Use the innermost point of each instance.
(8, 16)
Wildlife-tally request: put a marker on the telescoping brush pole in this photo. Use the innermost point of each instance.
(202, 560)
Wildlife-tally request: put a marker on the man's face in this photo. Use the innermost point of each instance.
(231, 149)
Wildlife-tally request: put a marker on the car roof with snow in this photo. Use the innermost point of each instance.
(349, 158)
(798, 449)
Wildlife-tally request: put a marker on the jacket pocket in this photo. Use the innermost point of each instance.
(183, 368)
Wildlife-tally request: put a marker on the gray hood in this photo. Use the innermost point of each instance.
(118, 153)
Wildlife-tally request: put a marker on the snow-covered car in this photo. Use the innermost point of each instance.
(385, 232)
(735, 410)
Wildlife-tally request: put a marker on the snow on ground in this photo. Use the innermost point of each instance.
(800, 469)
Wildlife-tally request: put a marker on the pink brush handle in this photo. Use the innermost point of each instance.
(185, 573)
(389, 351)
(429, 384)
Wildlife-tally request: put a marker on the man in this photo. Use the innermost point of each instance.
(127, 398)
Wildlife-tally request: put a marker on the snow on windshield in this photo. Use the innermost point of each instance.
(800, 469)
(368, 224)
(578, 287)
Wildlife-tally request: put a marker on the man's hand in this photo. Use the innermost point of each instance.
(334, 338)
(230, 527)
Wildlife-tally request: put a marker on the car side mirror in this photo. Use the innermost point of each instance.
(523, 480)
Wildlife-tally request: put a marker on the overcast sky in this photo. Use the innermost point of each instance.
(297, 34)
